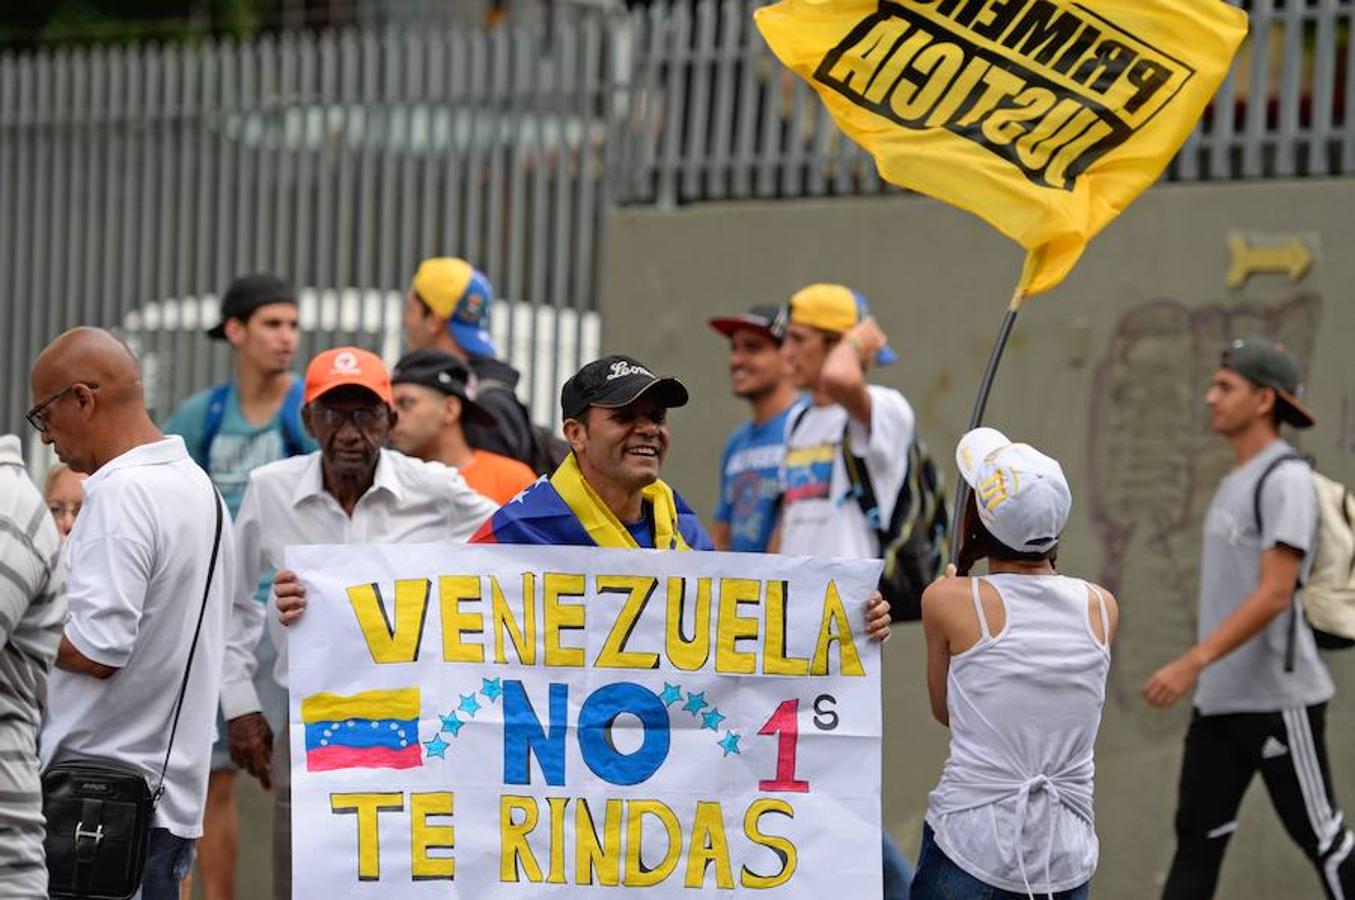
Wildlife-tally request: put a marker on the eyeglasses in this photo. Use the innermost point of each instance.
(35, 415)
(364, 417)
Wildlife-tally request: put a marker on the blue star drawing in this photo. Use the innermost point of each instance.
(671, 694)
(452, 724)
(492, 689)
(730, 744)
(437, 747)
(469, 705)
(695, 703)
(712, 720)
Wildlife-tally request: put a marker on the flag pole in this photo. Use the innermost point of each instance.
(1004, 333)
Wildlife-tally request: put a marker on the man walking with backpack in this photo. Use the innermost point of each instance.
(1261, 690)
(230, 429)
(830, 341)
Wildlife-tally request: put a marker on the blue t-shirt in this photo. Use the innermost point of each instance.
(239, 447)
(750, 481)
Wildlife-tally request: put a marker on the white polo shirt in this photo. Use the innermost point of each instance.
(286, 504)
(136, 564)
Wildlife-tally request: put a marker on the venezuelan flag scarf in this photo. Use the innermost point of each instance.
(564, 510)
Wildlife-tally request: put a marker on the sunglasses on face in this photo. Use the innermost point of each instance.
(363, 417)
(37, 417)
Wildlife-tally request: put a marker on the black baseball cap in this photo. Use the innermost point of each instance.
(616, 381)
(445, 373)
(759, 318)
(1269, 365)
(246, 294)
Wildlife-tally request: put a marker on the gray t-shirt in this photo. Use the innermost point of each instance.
(1252, 678)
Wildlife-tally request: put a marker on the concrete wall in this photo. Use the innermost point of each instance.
(1106, 373)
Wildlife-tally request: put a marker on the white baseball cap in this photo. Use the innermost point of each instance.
(1022, 497)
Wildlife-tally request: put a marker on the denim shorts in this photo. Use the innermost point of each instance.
(937, 878)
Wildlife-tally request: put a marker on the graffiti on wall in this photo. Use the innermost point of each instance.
(1155, 465)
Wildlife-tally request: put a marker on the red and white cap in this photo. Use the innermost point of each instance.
(1022, 497)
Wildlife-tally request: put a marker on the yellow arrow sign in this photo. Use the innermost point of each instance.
(1292, 258)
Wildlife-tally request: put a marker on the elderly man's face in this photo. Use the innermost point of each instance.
(351, 425)
(62, 412)
(625, 446)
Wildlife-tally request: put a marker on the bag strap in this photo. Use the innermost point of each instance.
(291, 419)
(863, 488)
(192, 648)
(211, 425)
(1291, 639)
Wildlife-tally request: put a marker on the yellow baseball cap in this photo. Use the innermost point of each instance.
(460, 294)
(834, 308)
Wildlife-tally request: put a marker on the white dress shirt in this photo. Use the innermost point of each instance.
(286, 504)
(136, 565)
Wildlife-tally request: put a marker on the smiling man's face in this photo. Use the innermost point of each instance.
(624, 446)
(756, 365)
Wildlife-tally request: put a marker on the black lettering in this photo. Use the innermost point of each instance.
(947, 7)
(1110, 58)
(1043, 38)
(971, 9)
(825, 716)
(1148, 77)
(1089, 36)
(1001, 13)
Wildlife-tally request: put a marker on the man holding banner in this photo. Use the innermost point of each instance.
(351, 490)
(607, 495)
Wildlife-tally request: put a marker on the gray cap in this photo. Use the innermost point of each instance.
(1270, 366)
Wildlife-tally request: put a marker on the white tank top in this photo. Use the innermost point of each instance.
(1014, 805)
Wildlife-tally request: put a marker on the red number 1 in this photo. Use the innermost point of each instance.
(785, 724)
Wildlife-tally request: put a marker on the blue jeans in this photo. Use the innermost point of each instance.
(168, 860)
(898, 871)
(938, 878)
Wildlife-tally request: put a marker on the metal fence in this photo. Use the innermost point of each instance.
(135, 182)
(712, 115)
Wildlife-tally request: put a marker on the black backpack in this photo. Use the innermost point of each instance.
(915, 543)
(545, 451)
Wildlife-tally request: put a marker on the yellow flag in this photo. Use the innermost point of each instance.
(1044, 117)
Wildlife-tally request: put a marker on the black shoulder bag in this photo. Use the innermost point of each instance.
(99, 811)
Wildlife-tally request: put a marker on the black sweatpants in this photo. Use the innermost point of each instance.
(1222, 754)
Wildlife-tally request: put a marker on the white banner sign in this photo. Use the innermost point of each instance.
(516, 722)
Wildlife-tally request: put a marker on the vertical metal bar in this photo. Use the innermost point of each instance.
(355, 123)
(245, 113)
(91, 222)
(396, 144)
(1258, 93)
(1290, 79)
(22, 77)
(310, 141)
(792, 166)
(653, 110)
(193, 185)
(503, 107)
(479, 129)
(456, 182)
(229, 126)
(414, 155)
(772, 147)
(115, 195)
(38, 265)
(717, 179)
(1320, 158)
(679, 58)
(753, 51)
(822, 127)
(140, 195)
(281, 99)
(1223, 136)
(696, 162)
(210, 140)
(175, 353)
(263, 109)
(1187, 160)
(592, 193)
(523, 147)
(59, 250)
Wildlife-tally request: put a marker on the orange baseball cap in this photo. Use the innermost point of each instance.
(348, 365)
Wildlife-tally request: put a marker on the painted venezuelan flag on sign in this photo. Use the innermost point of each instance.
(370, 730)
